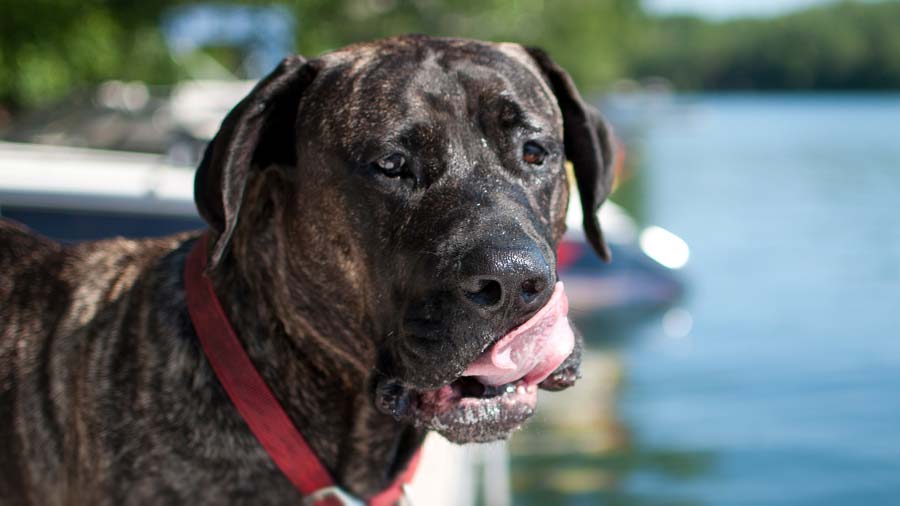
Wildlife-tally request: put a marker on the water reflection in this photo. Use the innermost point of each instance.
(581, 450)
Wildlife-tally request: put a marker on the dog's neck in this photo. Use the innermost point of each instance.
(320, 372)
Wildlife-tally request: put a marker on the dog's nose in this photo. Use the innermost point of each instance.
(506, 280)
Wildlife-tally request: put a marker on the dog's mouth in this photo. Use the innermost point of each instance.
(498, 391)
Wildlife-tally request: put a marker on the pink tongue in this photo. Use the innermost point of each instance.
(532, 350)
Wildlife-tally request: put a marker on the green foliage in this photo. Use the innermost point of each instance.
(848, 45)
(50, 47)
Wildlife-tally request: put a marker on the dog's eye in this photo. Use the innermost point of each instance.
(392, 165)
(533, 153)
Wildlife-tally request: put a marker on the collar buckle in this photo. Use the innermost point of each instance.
(335, 496)
(331, 496)
(406, 497)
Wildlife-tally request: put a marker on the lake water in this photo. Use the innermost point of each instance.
(777, 379)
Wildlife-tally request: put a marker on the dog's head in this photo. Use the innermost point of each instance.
(420, 183)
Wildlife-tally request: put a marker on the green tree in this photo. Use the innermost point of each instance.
(49, 47)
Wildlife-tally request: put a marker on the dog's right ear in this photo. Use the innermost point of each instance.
(257, 133)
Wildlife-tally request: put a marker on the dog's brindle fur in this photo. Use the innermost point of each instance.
(105, 395)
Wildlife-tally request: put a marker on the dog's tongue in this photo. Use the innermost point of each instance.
(532, 350)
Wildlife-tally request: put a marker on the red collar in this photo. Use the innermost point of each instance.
(256, 403)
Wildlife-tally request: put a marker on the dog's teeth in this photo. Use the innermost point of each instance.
(520, 390)
(532, 389)
(510, 389)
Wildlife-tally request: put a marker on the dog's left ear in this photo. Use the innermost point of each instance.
(257, 133)
(588, 146)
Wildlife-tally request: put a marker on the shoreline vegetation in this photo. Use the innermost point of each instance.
(49, 50)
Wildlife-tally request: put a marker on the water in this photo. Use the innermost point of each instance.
(786, 389)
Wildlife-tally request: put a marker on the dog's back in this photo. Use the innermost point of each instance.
(34, 296)
(25, 274)
(24, 258)
(67, 356)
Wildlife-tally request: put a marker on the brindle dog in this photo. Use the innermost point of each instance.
(379, 216)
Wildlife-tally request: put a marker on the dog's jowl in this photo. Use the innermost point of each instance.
(383, 223)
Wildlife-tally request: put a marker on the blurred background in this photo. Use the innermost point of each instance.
(744, 345)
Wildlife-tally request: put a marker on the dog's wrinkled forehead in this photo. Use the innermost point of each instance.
(369, 86)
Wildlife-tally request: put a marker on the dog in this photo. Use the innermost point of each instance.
(382, 225)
